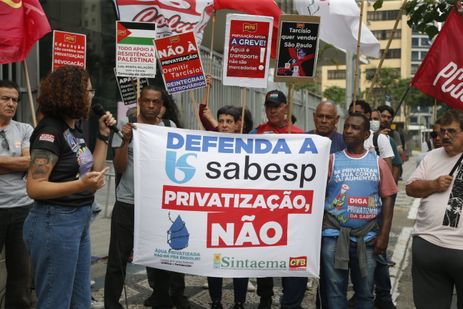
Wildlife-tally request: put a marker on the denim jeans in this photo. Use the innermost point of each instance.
(18, 265)
(336, 280)
(383, 284)
(58, 241)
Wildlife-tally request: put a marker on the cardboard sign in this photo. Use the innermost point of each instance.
(247, 50)
(128, 88)
(297, 48)
(68, 49)
(180, 62)
(135, 56)
(229, 205)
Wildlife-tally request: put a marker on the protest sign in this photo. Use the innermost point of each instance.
(123, 110)
(247, 50)
(229, 205)
(128, 88)
(68, 49)
(297, 48)
(135, 56)
(180, 62)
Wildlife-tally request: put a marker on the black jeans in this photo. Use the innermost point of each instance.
(18, 265)
(167, 286)
(120, 248)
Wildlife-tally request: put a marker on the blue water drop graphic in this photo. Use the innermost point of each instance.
(177, 235)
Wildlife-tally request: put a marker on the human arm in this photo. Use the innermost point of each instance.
(121, 153)
(424, 188)
(385, 149)
(382, 240)
(205, 114)
(101, 147)
(15, 164)
(39, 187)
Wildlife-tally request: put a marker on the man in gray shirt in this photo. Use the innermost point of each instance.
(14, 202)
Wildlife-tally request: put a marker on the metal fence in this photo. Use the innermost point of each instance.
(304, 102)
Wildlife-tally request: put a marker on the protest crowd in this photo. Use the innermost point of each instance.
(272, 181)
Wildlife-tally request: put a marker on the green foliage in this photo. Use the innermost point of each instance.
(336, 94)
(424, 14)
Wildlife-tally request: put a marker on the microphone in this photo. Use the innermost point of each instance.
(99, 111)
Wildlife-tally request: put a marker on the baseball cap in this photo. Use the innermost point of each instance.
(275, 98)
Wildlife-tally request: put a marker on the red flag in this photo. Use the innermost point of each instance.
(254, 7)
(23, 23)
(441, 73)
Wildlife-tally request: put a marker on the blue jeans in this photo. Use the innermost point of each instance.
(58, 241)
(383, 279)
(336, 280)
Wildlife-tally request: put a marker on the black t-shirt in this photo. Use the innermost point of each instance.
(74, 157)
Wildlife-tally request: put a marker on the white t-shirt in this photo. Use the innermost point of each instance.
(385, 148)
(430, 217)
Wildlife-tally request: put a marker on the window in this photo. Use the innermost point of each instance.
(415, 68)
(386, 34)
(383, 15)
(394, 73)
(415, 42)
(336, 74)
(415, 56)
(425, 42)
(392, 53)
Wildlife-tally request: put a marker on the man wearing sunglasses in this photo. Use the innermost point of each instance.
(437, 250)
(434, 142)
(14, 202)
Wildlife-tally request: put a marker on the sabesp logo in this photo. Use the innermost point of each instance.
(172, 165)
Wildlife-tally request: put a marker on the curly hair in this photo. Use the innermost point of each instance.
(63, 93)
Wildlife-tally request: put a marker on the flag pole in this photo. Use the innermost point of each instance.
(243, 107)
(29, 93)
(290, 107)
(210, 55)
(401, 100)
(357, 60)
(383, 56)
(138, 95)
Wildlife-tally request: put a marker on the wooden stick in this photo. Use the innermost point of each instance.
(211, 51)
(243, 108)
(383, 56)
(290, 107)
(357, 59)
(29, 94)
(195, 109)
(138, 96)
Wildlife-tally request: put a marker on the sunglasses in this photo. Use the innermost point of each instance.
(434, 134)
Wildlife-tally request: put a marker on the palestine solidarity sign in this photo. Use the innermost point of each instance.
(297, 48)
(135, 56)
(247, 50)
(229, 205)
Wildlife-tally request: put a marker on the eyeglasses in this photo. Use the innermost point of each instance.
(4, 144)
(434, 134)
(92, 92)
(450, 132)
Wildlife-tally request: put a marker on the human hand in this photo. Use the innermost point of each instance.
(94, 180)
(127, 131)
(442, 183)
(105, 122)
(380, 244)
(208, 80)
(207, 113)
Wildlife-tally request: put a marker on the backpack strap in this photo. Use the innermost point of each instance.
(375, 142)
(166, 122)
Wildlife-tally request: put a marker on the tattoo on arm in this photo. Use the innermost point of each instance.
(42, 163)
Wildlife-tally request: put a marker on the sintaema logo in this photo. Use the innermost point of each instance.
(227, 262)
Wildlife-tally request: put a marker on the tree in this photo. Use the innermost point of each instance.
(336, 94)
(425, 14)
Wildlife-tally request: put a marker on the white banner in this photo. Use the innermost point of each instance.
(229, 205)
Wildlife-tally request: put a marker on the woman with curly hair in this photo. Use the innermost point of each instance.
(62, 179)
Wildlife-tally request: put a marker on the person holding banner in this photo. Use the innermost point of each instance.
(62, 179)
(437, 249)
(153, 102)
(359, 193)
(276, 110)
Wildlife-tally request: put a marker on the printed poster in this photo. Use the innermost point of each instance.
(68, 49)
(135, 56)
(297, 48)
(247, 49)
(180, 62)
(128, 88)
(229, 205)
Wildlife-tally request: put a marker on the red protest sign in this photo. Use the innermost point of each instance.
(68, 49)
(247, 50)
(441, 72)
(180, 62)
